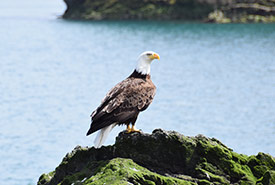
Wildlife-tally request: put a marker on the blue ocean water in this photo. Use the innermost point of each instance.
(216, 80)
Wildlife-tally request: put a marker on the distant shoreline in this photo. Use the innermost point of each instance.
(207, 11)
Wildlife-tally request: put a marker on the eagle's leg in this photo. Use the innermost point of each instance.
(128, 129)
(133, 129)
(132, 122)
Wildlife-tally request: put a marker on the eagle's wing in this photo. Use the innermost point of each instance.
(116, 90)
(123, 102)
(146, 98)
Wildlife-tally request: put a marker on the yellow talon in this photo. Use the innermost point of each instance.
(130, 130)
(134, 129)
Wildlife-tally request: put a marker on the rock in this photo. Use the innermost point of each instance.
(222, 11)
(163, 157)
(244, 11)
(137, 9)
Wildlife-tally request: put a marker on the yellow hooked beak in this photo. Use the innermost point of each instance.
(155, 56)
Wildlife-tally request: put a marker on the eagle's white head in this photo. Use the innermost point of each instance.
(144, 62)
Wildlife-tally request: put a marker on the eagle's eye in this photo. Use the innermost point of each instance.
(148, 54)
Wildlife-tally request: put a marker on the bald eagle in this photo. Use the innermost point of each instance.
(125, 101)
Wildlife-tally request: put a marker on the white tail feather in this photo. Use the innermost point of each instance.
(102, 135)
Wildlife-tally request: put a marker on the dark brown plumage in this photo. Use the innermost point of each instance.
(124, 102)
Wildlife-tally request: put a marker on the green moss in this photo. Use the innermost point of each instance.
(77, 177)
(45, 178)
(119, 171)
(204, 182)
(261, 163)
(122, 171)
(210, 168)
(220, 161)
(239, 158)
(244, 182)
(268, 178)
(215, 178)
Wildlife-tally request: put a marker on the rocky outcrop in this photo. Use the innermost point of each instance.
(220, 11)
(136, 9)
(161, 158)
(244, 11)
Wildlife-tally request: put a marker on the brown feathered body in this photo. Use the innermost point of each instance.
(124, 102)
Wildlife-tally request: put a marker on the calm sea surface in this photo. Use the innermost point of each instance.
(216, 80)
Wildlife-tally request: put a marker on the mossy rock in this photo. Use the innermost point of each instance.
(125, 171)
(137, 9)
(268, 178)
(161, 158)
(222, 11)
